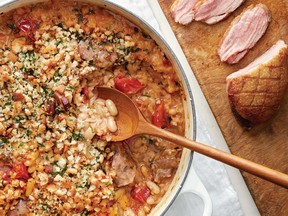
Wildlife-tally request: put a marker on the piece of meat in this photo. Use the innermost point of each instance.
(213, 11)
(255, 92)
(123, 165)
(5, 169)
(164, 166)
(92, 52)
(243, 33)
(162, 174)
(85, 50)
(62, 100)
(20, 209)
(182, 11)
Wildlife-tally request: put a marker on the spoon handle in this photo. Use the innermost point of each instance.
(227, 158)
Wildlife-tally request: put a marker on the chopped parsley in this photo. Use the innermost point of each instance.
(77, 136)
(28, 132)
(59, 42)
(57, 76)
(40, 144)
(69, 88)
(108, 183)
(85, 212)
(3, 141)
(61, 172)
(61, 24)
(11, 26)
(58, 110)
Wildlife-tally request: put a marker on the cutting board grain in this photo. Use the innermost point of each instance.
(265, 144)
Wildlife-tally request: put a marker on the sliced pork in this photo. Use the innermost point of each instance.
(213, 11)
(243, 33)
(256, 91)
(182, 11)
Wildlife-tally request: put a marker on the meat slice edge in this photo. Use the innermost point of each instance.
(182, 11)
(213, 11)
(256, 91)
(244, 32)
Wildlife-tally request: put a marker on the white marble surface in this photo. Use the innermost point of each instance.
(227, 190)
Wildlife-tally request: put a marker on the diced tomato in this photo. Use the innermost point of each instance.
(159, 116)
(6, 176)
(61, 116)
(50, 107)
(85, 93)
(166, 62)
(48, 168)
(140, 194)
(21, 171)
(128, 85)
(5, 171)
(61, 99)
(136, 206)
(57, 96)
(65, 103)
(27, 26)
(18, 96)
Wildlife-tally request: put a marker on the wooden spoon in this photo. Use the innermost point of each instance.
(131, 122)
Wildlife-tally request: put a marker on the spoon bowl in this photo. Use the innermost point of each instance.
(128, 115)
(130, 122)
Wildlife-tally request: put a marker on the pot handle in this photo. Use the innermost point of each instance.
(193, 184)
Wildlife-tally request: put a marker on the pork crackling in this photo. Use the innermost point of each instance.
(243, 33)
(256, 91)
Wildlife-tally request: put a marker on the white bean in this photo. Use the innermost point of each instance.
(83, 116)
(150, 200)
(141, 212)
(111, 124)
(101, 144)
(145, 172)
(153, 187)
(100, 101)
(99, 110)
(111, 107)
(89, 134)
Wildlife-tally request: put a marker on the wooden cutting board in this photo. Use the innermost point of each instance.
(265, 144)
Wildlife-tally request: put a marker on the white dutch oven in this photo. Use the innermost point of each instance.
(193, 184)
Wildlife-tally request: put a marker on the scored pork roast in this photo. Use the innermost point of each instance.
(243, 33)
(255, 92)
